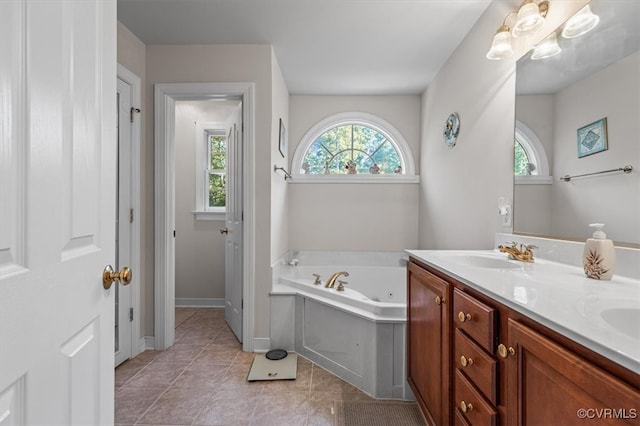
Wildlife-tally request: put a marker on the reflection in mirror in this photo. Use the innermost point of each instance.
(595, 76)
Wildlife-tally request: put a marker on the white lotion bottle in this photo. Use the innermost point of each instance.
(599, 258)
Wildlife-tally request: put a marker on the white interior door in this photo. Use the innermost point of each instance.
(123, 320)
(233, 227)
(57, 214)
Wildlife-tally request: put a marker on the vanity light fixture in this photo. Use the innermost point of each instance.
(501, 45)
(529, 18)
(580, 23)
(546, 48)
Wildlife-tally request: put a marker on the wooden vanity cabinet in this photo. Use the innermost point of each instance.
(521, 372)
(428, 343)
(548, 384)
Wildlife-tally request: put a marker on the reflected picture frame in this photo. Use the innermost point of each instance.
(282, 140)
(592, 138)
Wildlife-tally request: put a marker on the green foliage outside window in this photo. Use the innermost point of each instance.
(217, 171)
(366, 147)
(520, 160)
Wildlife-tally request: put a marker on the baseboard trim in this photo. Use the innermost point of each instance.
(142, 346)
(261, 344)
(200, 303)
(149, 343)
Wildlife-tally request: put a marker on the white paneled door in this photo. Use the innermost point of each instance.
(233, 227)
(57, 210)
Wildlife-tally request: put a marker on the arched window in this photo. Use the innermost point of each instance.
(530, 164)
(353, 147)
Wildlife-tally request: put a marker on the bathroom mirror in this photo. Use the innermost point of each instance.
(595, 76)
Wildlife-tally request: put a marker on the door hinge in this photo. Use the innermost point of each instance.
(130, 314)
(130, 215)
(132, 111)
(174, 233)
(242, 304)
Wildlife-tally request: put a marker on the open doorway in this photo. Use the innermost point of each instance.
(166, 96)
(208, 206)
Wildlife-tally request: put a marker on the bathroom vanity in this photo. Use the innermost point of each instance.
(491, 341)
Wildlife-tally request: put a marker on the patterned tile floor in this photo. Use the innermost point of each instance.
(201, 380)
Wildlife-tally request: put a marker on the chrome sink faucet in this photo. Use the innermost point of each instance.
(332, 280)
(524, 253)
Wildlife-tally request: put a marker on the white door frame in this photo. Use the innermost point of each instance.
(137, 342)
(166, 95)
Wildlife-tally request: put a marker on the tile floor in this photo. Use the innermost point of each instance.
(201, 380)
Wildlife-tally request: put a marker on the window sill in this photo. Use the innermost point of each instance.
(210, 216)
(533, 180)
(378, 179)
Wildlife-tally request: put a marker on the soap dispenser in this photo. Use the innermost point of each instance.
(599, 258)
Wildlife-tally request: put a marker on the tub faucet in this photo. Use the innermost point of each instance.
(332, 280)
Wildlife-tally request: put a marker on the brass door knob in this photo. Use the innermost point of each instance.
(504, 352)
(464, 361)
(464, 317)
(109, 276)
(224, 230)
(466, 406)
(440, 300)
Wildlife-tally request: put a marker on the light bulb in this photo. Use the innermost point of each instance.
(501, 45)
(580, 23)
(528, 20)
(546, 48)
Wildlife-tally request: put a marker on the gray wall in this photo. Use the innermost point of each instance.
(369, 217)
(461, 186)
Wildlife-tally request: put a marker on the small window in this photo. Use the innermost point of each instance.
(353, 147)
(217, 172)
(523, 165)
(211, 171)
(530, 165)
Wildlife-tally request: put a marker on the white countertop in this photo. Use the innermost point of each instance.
(556, 295)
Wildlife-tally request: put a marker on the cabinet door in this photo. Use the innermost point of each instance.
(428, 347)
(548, 384)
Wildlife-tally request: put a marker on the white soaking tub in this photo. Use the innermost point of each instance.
(357, 334)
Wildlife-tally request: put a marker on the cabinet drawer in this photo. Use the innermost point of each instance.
(475, 409)
(475, 318)
(477, 365)
(458, 418)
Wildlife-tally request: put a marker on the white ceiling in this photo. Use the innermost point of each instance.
(332, 47)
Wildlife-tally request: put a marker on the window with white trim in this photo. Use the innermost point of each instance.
(530, 165)
(216, 174)
(353, 147)
(211, 171)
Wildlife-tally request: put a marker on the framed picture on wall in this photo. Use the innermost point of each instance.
(592, 138)
(282, 141)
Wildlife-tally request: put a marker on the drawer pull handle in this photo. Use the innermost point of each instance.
(466, 406)
(466, 362)
(504, 352)
(440, 300)
(464, 317)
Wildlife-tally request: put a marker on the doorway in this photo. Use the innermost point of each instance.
(208, 206)
(128, 343)
(166, 96)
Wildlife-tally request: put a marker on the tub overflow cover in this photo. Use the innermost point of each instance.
(276, 354)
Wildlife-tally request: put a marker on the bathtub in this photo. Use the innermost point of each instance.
(357, 334)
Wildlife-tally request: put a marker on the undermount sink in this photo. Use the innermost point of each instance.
(625, 320)
(481, 260)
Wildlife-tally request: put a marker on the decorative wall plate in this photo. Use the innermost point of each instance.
(451, 129)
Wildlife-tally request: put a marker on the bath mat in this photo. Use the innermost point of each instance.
(266, 369)
(377, 413)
